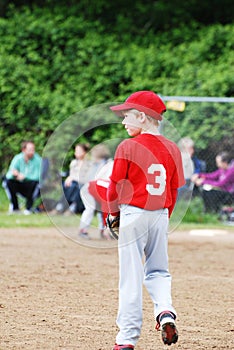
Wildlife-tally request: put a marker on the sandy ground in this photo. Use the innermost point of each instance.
(57, 294)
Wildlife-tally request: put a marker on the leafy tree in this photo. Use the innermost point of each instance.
(56, 61)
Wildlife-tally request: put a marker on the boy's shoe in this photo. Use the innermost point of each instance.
(123, 347)
(84, 235)
(169, 333)
(166, 321)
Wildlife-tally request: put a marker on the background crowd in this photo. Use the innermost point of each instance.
(86, 181)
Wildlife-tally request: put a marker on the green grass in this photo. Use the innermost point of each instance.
(183, 218)
(38, 220)
(35, 220)
(43, 220)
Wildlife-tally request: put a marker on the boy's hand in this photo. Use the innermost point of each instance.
(112, 222)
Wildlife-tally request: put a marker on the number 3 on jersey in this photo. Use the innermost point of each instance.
(160, 180)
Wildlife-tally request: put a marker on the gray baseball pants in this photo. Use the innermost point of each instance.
(143, 259)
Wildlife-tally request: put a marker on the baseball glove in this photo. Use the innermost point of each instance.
(113, 225)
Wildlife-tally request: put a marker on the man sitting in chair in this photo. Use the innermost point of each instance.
(23, 177)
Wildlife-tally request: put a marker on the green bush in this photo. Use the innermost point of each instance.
(4, 202)
(56, 61)
(196, 214)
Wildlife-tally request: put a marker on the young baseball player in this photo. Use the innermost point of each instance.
(146, 174)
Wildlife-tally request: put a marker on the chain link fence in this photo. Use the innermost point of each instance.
(210, 127)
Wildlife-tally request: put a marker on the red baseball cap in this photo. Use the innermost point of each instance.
(144, 101)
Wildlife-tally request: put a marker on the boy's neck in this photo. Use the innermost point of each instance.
(151, 132)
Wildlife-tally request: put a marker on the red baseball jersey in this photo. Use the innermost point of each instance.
(147, 172)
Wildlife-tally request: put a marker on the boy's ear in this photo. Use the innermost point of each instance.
(142, 117)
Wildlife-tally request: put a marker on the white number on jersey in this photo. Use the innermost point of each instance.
(160, 179)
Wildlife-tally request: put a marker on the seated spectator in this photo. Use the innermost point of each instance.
(23, 177)
(191, 165)
(82, 170)
(79, 167)
(217, 187)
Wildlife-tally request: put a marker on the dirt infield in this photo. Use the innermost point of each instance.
(56, 294)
